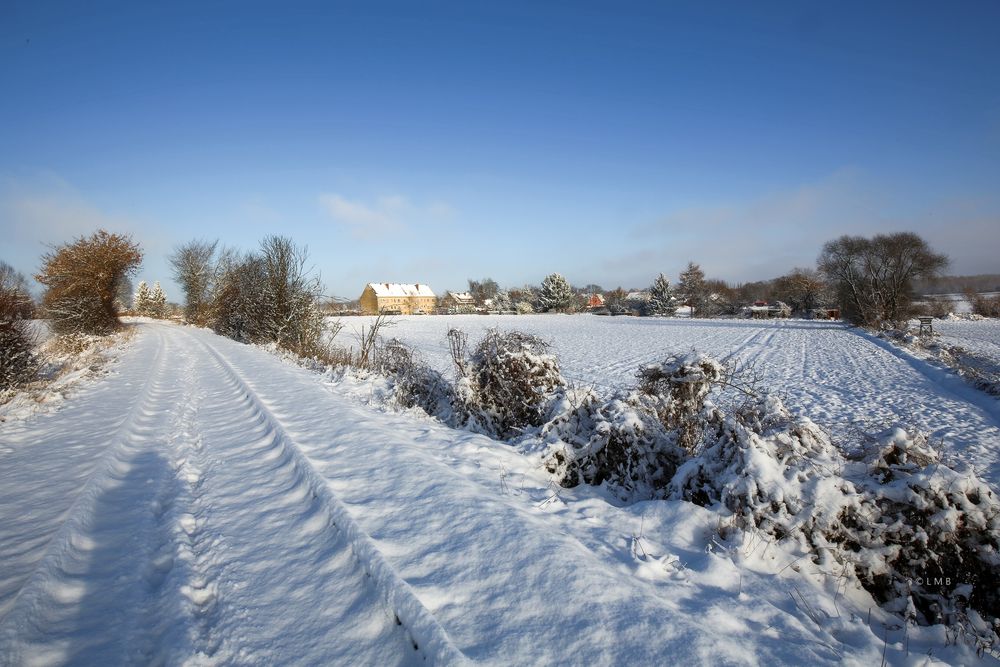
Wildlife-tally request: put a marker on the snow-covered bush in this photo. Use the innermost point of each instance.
(919, 536)
(680, 386)
(922, 538)
(507, 384)
(17, 341)
(269, 297)
(634, 441)
(83, 280)
(619, 442)
(986, 306)
(415, 384)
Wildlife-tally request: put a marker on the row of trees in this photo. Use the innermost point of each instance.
(259, 297)
(803, 289)
(266, 296)
(870, 279)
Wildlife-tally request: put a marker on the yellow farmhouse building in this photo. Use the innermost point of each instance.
(401, 298)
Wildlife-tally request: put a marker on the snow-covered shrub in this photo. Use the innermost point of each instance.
(620, 442)
(18, 363)
(634, 441)
(762, 466)
(523, 308)
(507, 384)
(17, 341)
(269, 297)
(415, 384)
(986, 306)
(936, 530)
(680, 386)
(916, 534)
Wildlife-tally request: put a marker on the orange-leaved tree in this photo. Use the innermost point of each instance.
(83, 280)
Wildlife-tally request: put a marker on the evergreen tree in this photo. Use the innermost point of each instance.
(502, 301)
(157, 301)
(661, 297)
(140, 302)
(556, 294)
(691, 288)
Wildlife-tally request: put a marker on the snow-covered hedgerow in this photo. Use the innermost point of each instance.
(619, 442)
(678, 387)
(415, 384)
(923, 539)
(507, 384)
(634, 441)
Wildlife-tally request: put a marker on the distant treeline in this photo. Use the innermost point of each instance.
(986, 282)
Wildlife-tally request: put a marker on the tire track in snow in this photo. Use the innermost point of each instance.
(50, 465)
(265, 465)
(91, 597)
(180, 568)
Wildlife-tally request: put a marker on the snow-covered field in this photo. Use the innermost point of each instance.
(840, 378)
(978, 337)
(207, 502)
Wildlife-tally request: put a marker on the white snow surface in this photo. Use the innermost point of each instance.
(210, 503)
(980, 337)
(838, 376)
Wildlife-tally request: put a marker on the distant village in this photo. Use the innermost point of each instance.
(485, 297)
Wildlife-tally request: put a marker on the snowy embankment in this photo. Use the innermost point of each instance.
(841, 379)
(210, 503)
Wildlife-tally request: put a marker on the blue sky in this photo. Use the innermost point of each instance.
(434, 142)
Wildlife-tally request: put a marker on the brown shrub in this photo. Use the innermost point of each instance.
(83, 279)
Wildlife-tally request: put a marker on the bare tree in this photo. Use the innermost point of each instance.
(803, 289)
(874, 277)
(193, 270)
(292, 291)
(270, 296)
(483, 290)
(83, 280)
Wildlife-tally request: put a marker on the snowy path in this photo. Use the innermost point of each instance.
(189, 528)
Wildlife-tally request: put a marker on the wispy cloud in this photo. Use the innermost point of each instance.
(756, 238)
(766, 236)
(44, 211)
(55, 214)
(365, 220)
(387, 214)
